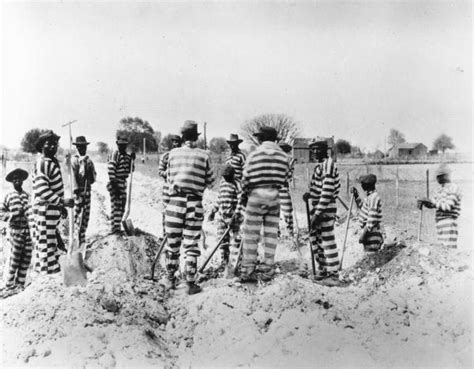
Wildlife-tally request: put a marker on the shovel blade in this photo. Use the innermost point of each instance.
(73, 269)
(128, 227)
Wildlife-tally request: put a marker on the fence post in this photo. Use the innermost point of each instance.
(347, 183)
(397, 189)
(427, 183)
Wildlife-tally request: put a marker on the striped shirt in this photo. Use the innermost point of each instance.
(370, 214)
(47, 180)
(291, 163)
(324, 187)
(83, 170)
(11, 208)
(189, 170)
(163, 166)
(267, 166)
(227, 198)
(236, 161)
(447, 202)
(119, 167)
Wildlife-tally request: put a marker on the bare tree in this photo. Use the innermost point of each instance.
(285, 126)
(396, 137)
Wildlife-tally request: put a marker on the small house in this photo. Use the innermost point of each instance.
(415, 150)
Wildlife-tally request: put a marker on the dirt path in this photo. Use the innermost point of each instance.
(409, 306)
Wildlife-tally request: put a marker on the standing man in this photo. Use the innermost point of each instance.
(14, 210)
(189, 173)
(236, 157)
(447, 202)
(48, 203)
(265, 173)
(119, 167)
(323, 191)
(163, 171)
(286, 206)
(84, 175)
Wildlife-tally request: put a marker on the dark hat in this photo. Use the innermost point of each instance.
(80, 140)
(319, 143)
(368, 179)
(46, 136)
(18, 172)
(121, 140)
(443, 169)
(267, 134)
(234, 138)
(175, 138)
(189, 127)
(285, 146)
(228, 170)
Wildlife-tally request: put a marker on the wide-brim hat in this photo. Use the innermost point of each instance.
(267, 134)
(190, 126)
(18, 172)
(318, 143)
(443, 169)
(81, 140)
(368, 179)
(286, 147)
(46, 136)
(121, 140)
(234, 138)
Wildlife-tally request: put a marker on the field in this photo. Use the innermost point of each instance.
(411, 305)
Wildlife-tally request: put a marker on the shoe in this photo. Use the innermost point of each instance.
(169, 283)
(192, 288)
(267, 276)
(247, 278)
(332, 280)
(319, 276)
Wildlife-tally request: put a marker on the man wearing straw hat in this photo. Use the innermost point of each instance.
(189, 174)
(323, 190)
(236, 157)
(447, 202)
(118, 168)
(14, 210)
(84, 175)
(48, 203)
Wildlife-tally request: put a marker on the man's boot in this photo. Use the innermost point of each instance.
(169, 280)
(192, 288)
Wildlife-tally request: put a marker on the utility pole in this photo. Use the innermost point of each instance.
(205, 137)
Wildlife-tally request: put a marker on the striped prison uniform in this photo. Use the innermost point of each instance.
(447, 202)
(48, 192)
(162, 172)
(286, 205)
(84, 176)
(189, 173)
(237, 161)
(265, 172)
(14, 210)
(118, 167)
(324, 188)
(370, 217)
(227, 201)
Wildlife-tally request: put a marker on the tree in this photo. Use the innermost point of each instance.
(443, 143)
(28, 143)
(343, 146)
(166, 142)
(396, 137)
(286, 127)
(135, 130)
(102, 148)
(218, 145)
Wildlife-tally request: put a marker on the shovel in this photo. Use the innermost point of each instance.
(127, 224)
(157, 257)
(347, 230)
(215, 249)
(308, 218)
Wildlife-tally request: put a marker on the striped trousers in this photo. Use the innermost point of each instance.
(183, 223)
(323, 242)
(80, 225)
(447, 231)
(20, 256)
(117, 204)
(263, 209)
(231, 242)
(374, 239)
(286, 208)
(46, 252)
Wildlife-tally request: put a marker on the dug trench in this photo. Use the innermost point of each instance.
(402, 307)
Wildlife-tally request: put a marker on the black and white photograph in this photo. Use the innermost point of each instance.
(236, 184)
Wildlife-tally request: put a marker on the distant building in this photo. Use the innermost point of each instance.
(303, 154)
(377, 154)
(408, 151)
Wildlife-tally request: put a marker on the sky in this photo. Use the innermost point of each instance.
(349, 69)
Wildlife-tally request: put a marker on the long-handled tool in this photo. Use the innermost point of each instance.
(127, 224)
(296, 236)
(157, 257)
(346, 231)
(308, 218)
(215, 249)
(420, 220)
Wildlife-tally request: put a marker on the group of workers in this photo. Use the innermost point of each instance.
(253, 194)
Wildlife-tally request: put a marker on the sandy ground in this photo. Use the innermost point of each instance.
(409, 306)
